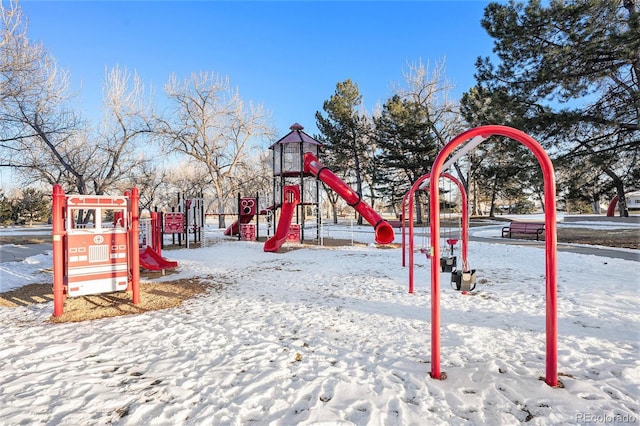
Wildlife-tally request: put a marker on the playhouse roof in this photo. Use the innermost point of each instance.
(296, 135)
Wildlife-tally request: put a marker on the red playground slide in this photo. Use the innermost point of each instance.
(152, 261)
(233, 229)
(245, 218)
(384, 233)
(291, 200)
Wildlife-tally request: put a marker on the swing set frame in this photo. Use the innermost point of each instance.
(408, 201)
(472, 138)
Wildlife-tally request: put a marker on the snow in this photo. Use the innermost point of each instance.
(330, 336)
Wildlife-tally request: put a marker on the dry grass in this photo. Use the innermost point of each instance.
(153, 296)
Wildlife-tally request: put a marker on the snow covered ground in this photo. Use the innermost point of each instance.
(331, 336)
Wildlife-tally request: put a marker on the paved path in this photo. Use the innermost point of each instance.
(573, 248)
(11, 253)
(617, 253)
(19, 252)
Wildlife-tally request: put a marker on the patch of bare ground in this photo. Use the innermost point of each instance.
(24, 239)
(617, 238)
(153, 296)
(621, 238)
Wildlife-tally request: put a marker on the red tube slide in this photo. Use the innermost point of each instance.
(384, 233)
(291, 200)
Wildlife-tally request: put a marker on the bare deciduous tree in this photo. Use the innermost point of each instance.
(17, 54)
(209, 122)
(125, 128)
(429, 88)
(42, 137)
(32, 112)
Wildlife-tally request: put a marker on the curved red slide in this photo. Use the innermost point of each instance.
(234, 228)
(384, 233)
(152, 261)
(291, 200)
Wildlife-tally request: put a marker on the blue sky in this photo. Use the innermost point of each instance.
(286, 55)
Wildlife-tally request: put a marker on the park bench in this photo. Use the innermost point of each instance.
(527, 228)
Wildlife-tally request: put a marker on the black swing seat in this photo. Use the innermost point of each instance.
(448, 264)
(463, 280)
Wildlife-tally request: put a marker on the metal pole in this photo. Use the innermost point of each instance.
(239, 222)
(257, 216)
(58, 235)
(133, 241)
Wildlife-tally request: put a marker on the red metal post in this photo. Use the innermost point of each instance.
(58, 234)
(403, 217)
(411, 278)
(156, 233)
(410, 202)
(551, 377)
(133, 241)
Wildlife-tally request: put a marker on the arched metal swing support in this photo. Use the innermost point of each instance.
(484, 132)
(408, 200)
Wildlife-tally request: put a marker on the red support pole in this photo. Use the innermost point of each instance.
(133, 241)
(156, 233)
(152, 237)
(58, 234)
(410, 198)
(403, 217)
(411, 277)
(550, 243)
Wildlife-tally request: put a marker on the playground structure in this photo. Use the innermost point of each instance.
(115, 264)
(291, 199)
(247, 209)
(288, 170)
(98, 246)
(470, 139)
(465, 278)
(187, 218)
(150, 243)
(243, 226)
(296, 172)
(95, 245)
